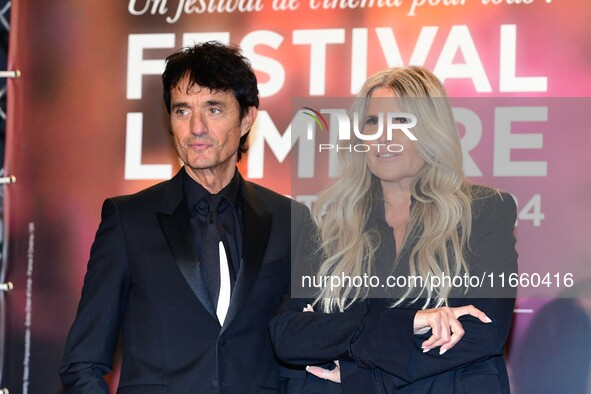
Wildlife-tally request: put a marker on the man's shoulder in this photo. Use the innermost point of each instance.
(150, 194)
(272, 199)
(265, 192)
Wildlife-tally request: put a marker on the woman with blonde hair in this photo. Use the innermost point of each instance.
(404, 209)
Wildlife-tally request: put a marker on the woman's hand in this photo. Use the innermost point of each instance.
(445, 328)
(334, 375)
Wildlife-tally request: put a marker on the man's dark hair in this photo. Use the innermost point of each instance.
(217, 67)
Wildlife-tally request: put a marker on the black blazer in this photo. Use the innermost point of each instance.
(375, 344)
(143, 281)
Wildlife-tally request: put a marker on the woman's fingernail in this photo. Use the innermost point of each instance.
(487, 319)
(426, 349)
(307, 368)
(442, 351)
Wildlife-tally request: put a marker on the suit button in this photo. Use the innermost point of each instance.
(214, 384)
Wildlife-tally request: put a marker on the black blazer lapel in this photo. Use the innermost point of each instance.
(257, 228)
(177, 231)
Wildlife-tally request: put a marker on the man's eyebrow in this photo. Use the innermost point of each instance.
(180, 104)
(210, 103)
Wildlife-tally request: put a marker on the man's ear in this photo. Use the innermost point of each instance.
(248, 120)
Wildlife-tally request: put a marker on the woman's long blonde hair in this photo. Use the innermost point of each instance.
(441, 210)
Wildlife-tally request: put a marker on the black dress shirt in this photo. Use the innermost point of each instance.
(229, 217)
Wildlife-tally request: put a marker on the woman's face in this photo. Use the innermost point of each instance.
(390, 167)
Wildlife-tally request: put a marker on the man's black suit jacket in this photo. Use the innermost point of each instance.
(143, 281)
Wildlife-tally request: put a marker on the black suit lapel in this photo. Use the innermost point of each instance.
(257, 228)
(177, 231)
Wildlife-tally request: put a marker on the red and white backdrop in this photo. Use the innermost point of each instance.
(86, 121)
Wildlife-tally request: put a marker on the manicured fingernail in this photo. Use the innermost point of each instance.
(307, 368)
(442, 351)
(487, 319)
(426, 349)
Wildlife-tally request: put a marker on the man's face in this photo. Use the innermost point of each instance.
(206, 129)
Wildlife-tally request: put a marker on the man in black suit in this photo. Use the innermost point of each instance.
(191, 270)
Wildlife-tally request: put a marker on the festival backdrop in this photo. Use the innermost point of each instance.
(86, 121)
